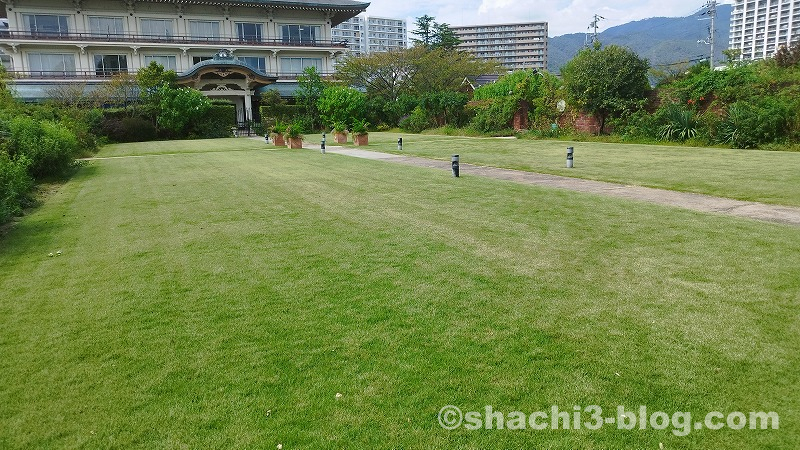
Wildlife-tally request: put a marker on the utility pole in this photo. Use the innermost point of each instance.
(712, 14)
(594, 25)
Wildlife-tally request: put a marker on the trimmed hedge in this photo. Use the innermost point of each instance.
(216, 122)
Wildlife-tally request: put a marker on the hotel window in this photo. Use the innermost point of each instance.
(300, 34)
(46, 24)
(167, 61)
(255, 62)
(204, 29)
(296, 65)
(106, 25)
(198, 59)
(107, 65)
(157, 27)
(249, 32)
(51, 64)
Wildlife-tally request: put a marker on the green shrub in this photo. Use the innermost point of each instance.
(390, 112)
(417, 122)
(120, 128)
(50, 146)
(294, 130)
(677, 123)
(179, 108)
(15, 183)
(359, 127)
(749, 124)
(445, 108)
(635, 126)
(494, 114)
(339, 104)
(83, 123)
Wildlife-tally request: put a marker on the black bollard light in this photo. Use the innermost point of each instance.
(322, 146)
(400, 144)
(570, 151)
(454, 164)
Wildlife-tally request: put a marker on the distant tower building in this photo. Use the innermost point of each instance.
(759, 28)
(372, 34)
(354, 32)
(514, 46)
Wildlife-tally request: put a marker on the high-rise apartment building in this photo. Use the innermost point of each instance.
(372, 34)
(514, 45)
(760, 27)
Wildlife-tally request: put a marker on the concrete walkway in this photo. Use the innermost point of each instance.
(697, 202)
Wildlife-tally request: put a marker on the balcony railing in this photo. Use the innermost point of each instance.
(130, 38)
(75, 75)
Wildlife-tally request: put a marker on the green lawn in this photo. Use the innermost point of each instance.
(219, 294)
(752, 175)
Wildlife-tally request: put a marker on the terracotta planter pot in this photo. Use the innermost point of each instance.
(295, 142)
(361, 139)
(278, 140)
(341, 138)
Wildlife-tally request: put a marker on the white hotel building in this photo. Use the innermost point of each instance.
(225, 48)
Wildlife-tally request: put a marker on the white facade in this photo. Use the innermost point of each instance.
(372, 34)
(760, 27)
(57, 41)
(513, 45)
(353, 31)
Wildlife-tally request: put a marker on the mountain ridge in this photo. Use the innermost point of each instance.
(661, 40)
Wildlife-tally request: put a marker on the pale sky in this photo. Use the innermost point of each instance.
(563, 16)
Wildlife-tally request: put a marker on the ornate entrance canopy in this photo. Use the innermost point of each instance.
(224, 73)
(226, 77)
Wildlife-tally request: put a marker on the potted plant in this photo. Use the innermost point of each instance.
(359, 129)
(340, 132)
(277, 134)
(294, 135)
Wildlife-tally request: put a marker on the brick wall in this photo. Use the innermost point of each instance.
(520, 121)
(587, 124)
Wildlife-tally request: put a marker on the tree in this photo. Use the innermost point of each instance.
(180, 107)
(425, 30)
(788, 56)
(340, 105)
(274, 108)
(121, 90)
(444, 37)
(441, 70)
(65, 95)
(392, 80)
(413, 71)
(434, 35)
(308, 94)
(606, 82)
(732, 55)
(154, 75)
(445, 107)
(381, 74)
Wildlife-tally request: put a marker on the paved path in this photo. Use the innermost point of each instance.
(697, 202)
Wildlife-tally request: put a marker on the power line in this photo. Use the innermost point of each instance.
(697, 58)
